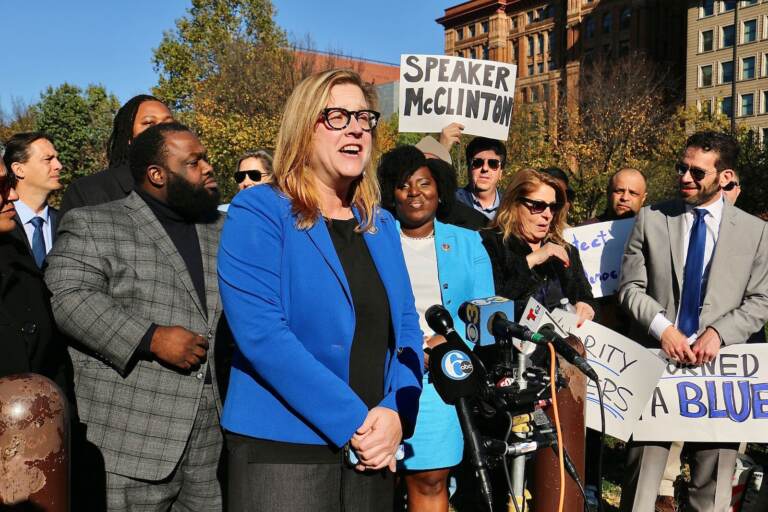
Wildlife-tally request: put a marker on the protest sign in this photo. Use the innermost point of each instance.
(628, 375)
(601, 248)
(436, 90)
(722, 401)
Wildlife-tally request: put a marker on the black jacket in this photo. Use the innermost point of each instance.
(514, 280)
(28, 335)
(465, 217)
(104, 186)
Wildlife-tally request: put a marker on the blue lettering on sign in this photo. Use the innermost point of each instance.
(456, 365)
(584, 245)
(696, 402)
(601, 277)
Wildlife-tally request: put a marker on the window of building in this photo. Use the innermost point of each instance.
(747, 104)
(486, 52)
(529, 40)
(625, 18)
(707, 41)
(472, 53)
(747, 68)
(607, 23)
(534, 94)
(530, 69)
(471, 30)
(707, 8)
(550, 64)
(550, 41)
(726, 36)
(747, 3)
(726, 106)
(726, 72)
(705, 75)
(705, 106)
(460, 33)
(749, 31)
(728, 5)
(540, 42)
(764, 69)
(540, 67)
(545, 92)
(542, 13)
(589, 27)
(764, 103)
(764, 133)
(623, 48)
(530, 15)
(484, 26)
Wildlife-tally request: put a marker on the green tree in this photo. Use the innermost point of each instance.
(79, 123)
(21, 119)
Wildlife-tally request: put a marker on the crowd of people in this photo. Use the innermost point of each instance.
(272, 353)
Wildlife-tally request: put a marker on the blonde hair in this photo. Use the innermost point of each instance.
(523, 183)
(293, 175)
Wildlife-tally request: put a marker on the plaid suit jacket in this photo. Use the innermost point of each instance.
(113, 272)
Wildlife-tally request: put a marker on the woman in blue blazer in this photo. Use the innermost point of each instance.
(447, 265)
(327, 372)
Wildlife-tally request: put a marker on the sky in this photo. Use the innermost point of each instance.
(82, 42)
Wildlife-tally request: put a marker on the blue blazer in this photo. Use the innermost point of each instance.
(288, 303)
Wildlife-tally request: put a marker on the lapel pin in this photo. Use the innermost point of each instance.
(446, 247)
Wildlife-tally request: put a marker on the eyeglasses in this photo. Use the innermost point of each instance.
(338, 118)
(253, 175)
(696, 173)
(493, 163)
(535, 206)
(731, 185)
(7, 182)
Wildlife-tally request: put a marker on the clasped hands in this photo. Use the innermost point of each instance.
(675, 344)
(377, 440)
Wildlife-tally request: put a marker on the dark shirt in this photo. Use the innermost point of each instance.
(370, 342)
(465, 217)
(104, 186)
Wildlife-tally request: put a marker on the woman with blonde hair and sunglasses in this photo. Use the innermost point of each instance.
(326, 374)
(525, 241)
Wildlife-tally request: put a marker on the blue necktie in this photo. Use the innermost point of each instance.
(38, 241)
(690, 302)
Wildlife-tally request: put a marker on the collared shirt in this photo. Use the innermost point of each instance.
(26, 214)
(466, 196)
(712, 223)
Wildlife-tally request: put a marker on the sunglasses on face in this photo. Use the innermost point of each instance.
(696, 173)
(338, 118)
(535, 206)
(493, 163)
(7, 182)
(730, 186)
(253, 175)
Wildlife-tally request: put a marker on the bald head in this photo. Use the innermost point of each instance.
(627, 192)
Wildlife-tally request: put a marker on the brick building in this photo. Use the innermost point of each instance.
(550, 40)
(710, 70)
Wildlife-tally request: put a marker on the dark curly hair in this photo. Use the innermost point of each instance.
(397, 165)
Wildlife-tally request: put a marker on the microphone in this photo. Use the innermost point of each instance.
(450, 365)
(568, 352)
(477, 313)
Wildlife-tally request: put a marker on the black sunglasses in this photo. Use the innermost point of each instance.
(493, 163)
(731, 185)
(254, 175)
(535, 206)
(338, 118)
(696, 173)
(7, 182)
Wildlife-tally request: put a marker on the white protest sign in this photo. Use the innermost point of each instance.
(722, 401)
(628, 374)
(437, 90)
(601, 248)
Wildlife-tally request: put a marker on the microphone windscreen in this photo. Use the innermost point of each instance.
(453, 371)
(477, 315)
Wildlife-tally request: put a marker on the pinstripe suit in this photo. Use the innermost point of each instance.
(113, 272)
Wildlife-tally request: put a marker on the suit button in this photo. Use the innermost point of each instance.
(199, 375)
(445, 286)
(29, 328)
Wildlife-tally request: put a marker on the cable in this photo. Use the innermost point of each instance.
(602, 448)
(553, 391)
(506, 467)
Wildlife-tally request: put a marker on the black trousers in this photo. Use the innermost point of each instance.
(288, 487)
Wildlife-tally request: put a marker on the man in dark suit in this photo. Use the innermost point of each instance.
(134, 283)
(694, 278)
(34, 160)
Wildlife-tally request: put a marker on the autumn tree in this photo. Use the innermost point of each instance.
(20, 119)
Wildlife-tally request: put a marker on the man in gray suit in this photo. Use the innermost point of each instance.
(134, 283)
(694, 278)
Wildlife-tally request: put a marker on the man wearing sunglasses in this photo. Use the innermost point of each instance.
(485, 162)
(694, 278)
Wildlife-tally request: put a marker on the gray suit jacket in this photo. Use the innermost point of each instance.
(736, 299)
(113, 272)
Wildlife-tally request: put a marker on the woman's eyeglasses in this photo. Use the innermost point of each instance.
(493, 163)
(7, 182)
(535, 206)
(338, 118)
(253, 175)
(696, 173)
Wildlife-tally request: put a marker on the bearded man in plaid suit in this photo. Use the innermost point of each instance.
(134, 285)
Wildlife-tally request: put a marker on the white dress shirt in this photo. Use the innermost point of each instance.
(26, 213)
(712, 222)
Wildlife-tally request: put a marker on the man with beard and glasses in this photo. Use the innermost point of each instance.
(134, 284)
(694, 278)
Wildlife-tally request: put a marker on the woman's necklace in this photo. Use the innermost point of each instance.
(429, 236)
